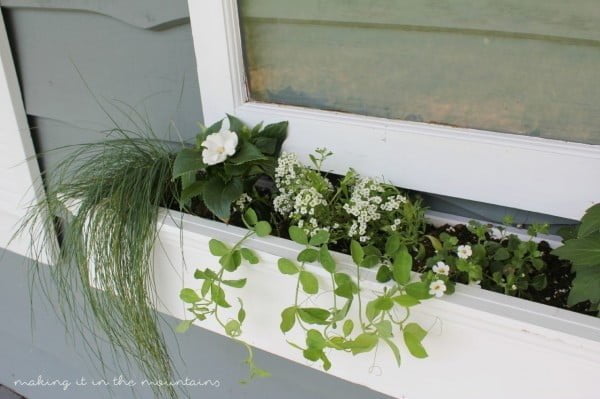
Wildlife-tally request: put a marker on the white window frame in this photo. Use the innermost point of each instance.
(548, 176)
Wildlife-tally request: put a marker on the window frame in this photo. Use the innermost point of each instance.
(535, 174)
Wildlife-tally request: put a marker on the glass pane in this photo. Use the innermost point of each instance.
(529, 67)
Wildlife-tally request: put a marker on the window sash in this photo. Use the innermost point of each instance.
(530, 173)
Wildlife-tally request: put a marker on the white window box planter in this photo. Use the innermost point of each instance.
(482, 344)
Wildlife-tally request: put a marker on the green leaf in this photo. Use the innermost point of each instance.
(394, 349)
(308, 255)
(193, 190)
(235, 283)
(346, 288)
(309, 282)
(232, 328)
(539, 282)
(298, 235)
(235, 125)
(392, 245)
(348, 327)
(217, 248)
(418, 290)
(183, 326)
(214, 128)
(370, 261)
(205, 287)
(218, 195)
(231, 261)
(312, 354)
(502, 254)
(320, 238)
(326, 362)
(590, 223)
(586, 285)
(326, 259)
(406, 301)
(384, 274)
(247, 152)
(357, 252)
(581, 251)
(218, 296)
(288, 319)
(365, 342)
(416, 330)
(315, 340)
(199, 274)
(187, 160)
(188, 295)
(413, 335)
(270, 139)
(262, 229)
(250, 217)
(249, 255)
(314, 315)
(371, 310)
(286, 266)
(435, 243)
(402, 266)
(241, 315)
(383, 303)
(384, 329)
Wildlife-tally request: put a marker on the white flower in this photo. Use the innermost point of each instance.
(219, 146)
(464, 251)
(437, 288)
(242, 201)
(441, 268)
(513, 287)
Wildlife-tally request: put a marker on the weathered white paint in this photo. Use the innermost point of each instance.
(20, 182)
(482, 344)
(541, 175)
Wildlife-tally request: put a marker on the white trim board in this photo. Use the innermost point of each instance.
(20, 182)
(541, 175)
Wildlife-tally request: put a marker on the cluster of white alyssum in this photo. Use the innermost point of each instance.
(368, 202)
(243, 201)
(393, 203)
(296, 198)
(364, 205)
(286, 178)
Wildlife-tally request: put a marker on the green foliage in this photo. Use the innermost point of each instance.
(217, 186)
(117, 186)
(211, 297)
(354, 208)
(584, 253)
(379, 320)
(504, 263)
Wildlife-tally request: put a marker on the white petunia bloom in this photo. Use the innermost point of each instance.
(437, 288)
(464, 251)
(218, 146)
(441, 268)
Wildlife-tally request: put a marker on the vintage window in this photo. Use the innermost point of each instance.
(494, 101)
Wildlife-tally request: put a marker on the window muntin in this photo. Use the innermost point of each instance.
(529, 67)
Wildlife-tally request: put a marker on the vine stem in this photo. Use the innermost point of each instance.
(360, 318)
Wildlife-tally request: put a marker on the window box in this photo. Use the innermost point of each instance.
(480, 341)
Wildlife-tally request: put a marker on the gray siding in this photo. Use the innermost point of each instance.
(42, 348)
